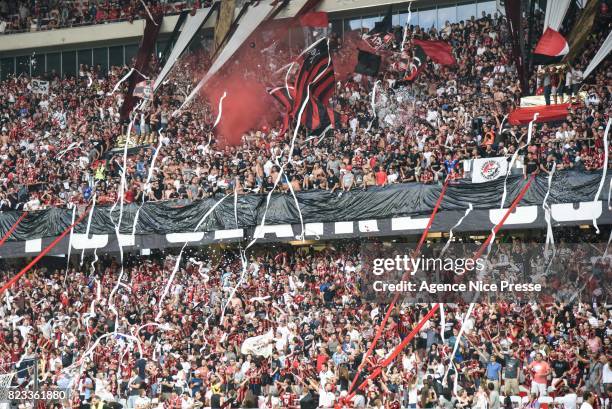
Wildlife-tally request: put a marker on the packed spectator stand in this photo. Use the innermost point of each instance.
(448, 115)
(59, 149)
(191, 356)
(31, 16)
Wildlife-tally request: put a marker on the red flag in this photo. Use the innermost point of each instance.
(548, 113)
(551, 48)
(439, 51)
(314, 19)
(345, 59)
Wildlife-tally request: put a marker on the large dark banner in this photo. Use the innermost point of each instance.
(392, 210)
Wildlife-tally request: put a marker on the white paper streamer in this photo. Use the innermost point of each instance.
(604, 173)
(287, 79)
(550, 238)
(70, 243)
(456, 346)
(118, 84)
(260, 299)
(178, 259)
(220, 111)
(501, 125)
(373, 104)
(87, 353)
(406, 26)
(442, 322)
(125, 77)
(529, 133)
(278, 179)
(70, 147)
(148, 12)
(450, 233)
(89, 217)
(120, 199)
(147, 183)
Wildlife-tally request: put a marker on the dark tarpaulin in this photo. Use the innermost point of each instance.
(411, 199)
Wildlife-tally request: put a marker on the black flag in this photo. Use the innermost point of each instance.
(368, 63)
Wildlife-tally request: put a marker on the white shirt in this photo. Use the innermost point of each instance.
(576, 76)
(267, 167)
(324, 377)
(586, 405)
(142, 402)
(568, 401)
(607, 374)
(326, 399)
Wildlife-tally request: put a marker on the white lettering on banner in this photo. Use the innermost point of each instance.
(366, 226)
(408, 223)
(521, 215)
(82, 242)
(565, 212)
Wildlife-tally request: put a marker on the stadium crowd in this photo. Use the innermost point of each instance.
(108, 333)
(419, 131)
(29, 15)
(109, 336)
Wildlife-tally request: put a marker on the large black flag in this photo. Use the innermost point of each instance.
(368, 63)
(385, 25)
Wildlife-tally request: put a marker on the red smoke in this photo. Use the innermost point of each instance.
(245, 78)
(246, 106)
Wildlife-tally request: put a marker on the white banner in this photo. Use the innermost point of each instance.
(40, 87)
(189, 30)
(248, 23)
(259, 345)
(487, 169)
(603, 52)
(555, 13)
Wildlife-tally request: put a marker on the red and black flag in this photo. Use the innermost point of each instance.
(318, 117)
(144, 89)
(381, 36)
(416, 64)
(439, 51)
(315, 77)
(551, 48)
(284, 97)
